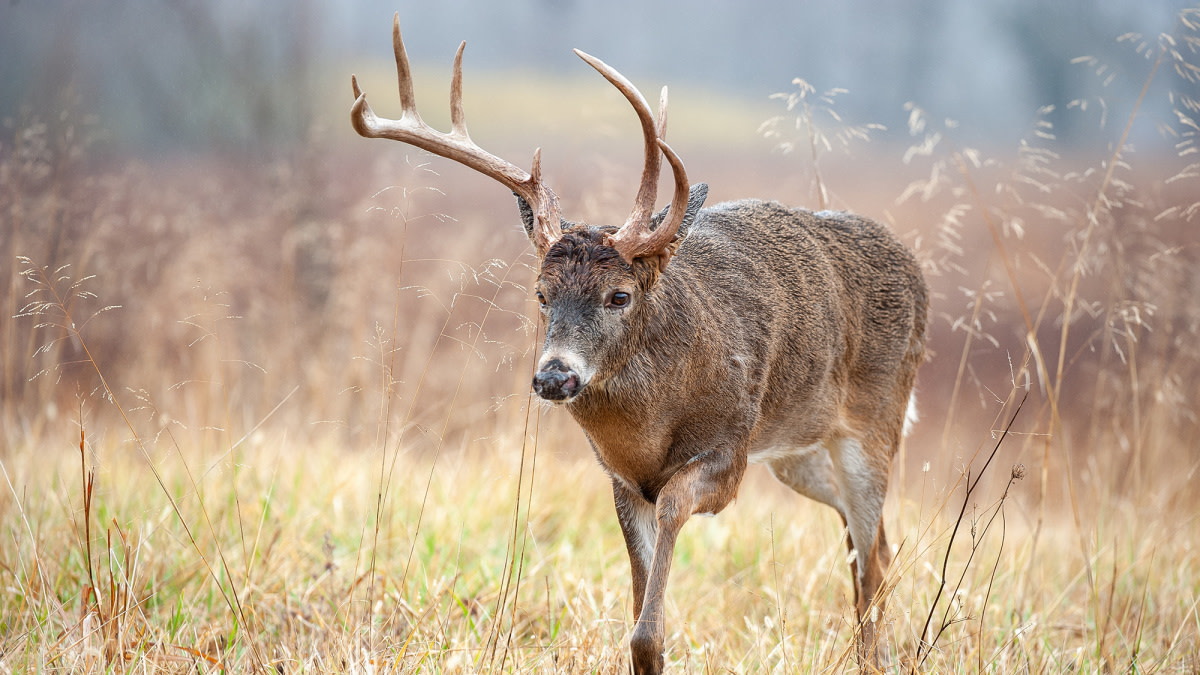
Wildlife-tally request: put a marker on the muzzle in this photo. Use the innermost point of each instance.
(555, 381)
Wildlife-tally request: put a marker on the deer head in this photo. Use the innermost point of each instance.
(594, 282)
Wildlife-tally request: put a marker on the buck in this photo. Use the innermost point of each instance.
(689, 342)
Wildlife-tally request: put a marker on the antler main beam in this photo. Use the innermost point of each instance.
(635, 239)
(643, 205)
(457, 145)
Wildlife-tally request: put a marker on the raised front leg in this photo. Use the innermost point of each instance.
(704, 485)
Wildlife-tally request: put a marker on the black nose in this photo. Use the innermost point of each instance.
(555, 381)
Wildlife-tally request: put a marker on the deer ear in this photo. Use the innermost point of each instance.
(527, 216)
(696, 197)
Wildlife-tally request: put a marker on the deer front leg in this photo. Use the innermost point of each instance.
(706, 484)
(638, 524)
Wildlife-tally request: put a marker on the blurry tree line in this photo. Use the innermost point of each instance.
(188, 74)
(163, 75)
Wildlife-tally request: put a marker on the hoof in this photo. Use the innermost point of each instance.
(646, 652)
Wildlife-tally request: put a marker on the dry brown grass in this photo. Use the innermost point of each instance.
(262, 416)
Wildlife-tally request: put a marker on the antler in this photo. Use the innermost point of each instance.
(635, 239)
(457, 145)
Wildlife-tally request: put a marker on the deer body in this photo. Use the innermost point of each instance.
(755, 330)
(777, 336)
(689, 343)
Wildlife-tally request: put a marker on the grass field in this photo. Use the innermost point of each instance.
(261, 557)
(276, 416)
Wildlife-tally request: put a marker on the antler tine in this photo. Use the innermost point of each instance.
(643, 205)
(661, 129)
(547, 227)
(458, 118)
(457, 145)
(535, 172)
(408, 102)
(362, 118)
(665, 232)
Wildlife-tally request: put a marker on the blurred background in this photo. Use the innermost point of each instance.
(164, 76)
(180, 187)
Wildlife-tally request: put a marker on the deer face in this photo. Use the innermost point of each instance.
(589, 297)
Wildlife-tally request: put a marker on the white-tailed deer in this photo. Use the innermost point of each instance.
(689, 342)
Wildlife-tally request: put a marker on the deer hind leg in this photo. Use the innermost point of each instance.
(841, 474)
(861, 475)
(809, 471)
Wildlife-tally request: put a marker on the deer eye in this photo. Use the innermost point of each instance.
(541, 298)
(618, 299)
